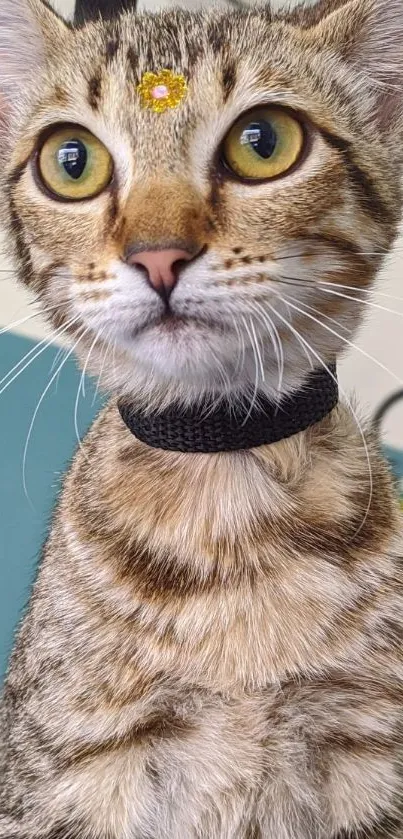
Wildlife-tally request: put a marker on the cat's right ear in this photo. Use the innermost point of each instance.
(30, 32)
(367, 36)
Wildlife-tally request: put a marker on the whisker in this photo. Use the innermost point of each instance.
(293, 281)
(346, 341)
(256, 354)
(310, 284)
(365, 302)
(275, 340)
(223, 374)
(303, 347)
(114, 356)
(79, 390)
(241, 346)
(297, 334)
(19, 322)
(334, 247)
(35, 352)
(107, 348)
(64, 351)
(56, 358)
(35, 414)
(369, 291)
(317, 311)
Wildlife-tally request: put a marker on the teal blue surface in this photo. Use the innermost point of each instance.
(24, 523)
(395, 457)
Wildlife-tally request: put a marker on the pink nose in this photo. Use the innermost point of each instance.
(162, 267)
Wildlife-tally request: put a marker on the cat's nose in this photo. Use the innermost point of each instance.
(162, 267)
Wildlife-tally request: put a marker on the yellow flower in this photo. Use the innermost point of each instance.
(160, 91)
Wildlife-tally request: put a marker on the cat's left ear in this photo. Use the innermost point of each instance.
(30, 33)
(368, 36)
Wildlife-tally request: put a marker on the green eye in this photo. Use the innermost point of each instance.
(74, 164)
(263, 144)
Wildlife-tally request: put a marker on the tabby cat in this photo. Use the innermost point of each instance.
(213, 646)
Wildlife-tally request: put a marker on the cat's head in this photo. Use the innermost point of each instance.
(221, 244)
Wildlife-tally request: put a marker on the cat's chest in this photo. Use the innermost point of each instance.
(214, 767)
(200, 777)
(248, 632)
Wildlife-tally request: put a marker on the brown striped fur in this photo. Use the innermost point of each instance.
(213, 647)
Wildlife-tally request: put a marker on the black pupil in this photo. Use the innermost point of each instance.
(73, 156)
(261, 136)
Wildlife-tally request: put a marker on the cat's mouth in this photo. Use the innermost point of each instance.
(170, 322)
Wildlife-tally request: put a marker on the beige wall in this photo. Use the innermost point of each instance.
(381, 338)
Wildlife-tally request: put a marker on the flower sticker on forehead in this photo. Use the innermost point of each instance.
(162, 90)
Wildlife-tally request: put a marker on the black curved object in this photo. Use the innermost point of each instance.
(386, 406)
(223, 430)
(86, 10)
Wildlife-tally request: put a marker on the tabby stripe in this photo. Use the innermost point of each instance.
(161, 726)
(111, 49)
(386, 827)
(61, 831)
(228, 77)
(369, 196)
(69, 831)
(21, 248)
(23, 253)
(341, 244)
(17, 173)
(358, 745)
(132, 59)
(94, 91)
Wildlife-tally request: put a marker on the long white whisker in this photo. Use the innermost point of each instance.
(256, 359)
(241, 346)
(79, 389)
(114, 356)
(318, 286)
(346, 341)
(107, 348)
(47, 388)
(331, 374)
(19, 322)
(223, 374)
(313, 309)
(275, 340)
(364, 302)
(370, 291)
(34, 352)
(56, 358)
(258, 350)
(302, 345)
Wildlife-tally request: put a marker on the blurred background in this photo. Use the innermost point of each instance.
(40, 423)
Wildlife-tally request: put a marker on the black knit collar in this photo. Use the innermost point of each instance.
(220, 430)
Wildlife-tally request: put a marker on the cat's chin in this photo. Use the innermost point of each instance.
(182, 349)
(181, 360)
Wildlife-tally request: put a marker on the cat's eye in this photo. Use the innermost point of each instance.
(74, 165)
(263, 144)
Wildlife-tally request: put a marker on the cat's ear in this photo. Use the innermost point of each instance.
(368, 36)
(30, 31)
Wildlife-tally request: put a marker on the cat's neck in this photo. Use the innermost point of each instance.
(192, 506)
(224, 428)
